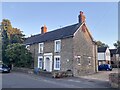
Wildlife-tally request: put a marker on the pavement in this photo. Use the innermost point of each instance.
(100, 75)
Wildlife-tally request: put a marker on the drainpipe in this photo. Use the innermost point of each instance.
(95, 57)
(95, 50)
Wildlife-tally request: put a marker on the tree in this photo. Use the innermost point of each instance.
(18, 55)
(14, 34)
(12, 50)
(117, 44)
(101, 44)
(5, 42)
(5, 39)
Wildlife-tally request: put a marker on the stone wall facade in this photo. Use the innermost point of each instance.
(87, 51)
(34, 50)
(114, 80)
(115, 60)
(67, 54)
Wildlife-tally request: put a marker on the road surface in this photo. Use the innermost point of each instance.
(22, 80)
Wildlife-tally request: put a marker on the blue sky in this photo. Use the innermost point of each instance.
(101, 17)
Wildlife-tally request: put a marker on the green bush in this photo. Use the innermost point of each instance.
(18, 55)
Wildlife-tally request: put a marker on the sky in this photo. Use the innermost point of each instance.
(101, 17)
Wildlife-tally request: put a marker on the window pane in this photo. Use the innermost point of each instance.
(40, 62)
(78, 60)
(57, 47)
(57, 65)
(41, 47)
(89, 61)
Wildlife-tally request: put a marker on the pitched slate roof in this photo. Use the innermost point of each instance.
(64, 32)
(102, 49)
(113, 51)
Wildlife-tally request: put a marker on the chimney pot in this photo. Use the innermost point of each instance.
(81, 17)
(43, 29)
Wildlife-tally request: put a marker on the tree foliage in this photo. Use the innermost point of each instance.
(5, 42)
(117, 44)
(5, 39)
(101, 44)
(19, 55)
(14, 34)
(12, 50)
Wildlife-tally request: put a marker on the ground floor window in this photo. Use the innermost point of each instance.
(56, 62)
(40, 62)
(79, 60)
(89, 60)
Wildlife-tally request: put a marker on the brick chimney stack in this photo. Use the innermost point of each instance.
(43, 29)
(81, 17)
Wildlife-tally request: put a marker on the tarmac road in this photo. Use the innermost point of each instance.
(22, 80)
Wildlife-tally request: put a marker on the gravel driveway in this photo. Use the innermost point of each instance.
(101, 75)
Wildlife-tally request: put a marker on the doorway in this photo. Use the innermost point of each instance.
(48, 62)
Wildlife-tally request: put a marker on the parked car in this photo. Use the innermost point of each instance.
(106, 67)
(4, 68)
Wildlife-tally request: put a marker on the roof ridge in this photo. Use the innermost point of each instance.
(53, 30)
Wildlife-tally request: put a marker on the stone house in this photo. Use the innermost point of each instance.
(118, 57)
(68, 48)
(115, 57)
(103, 55)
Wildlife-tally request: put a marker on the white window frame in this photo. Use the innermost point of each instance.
(28, 47)
(79, 60)
(56, 62)
(41, 48)
(40, 66)
(89, 60)
(57, 48)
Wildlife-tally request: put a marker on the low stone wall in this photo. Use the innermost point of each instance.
(54, 74)
(114, 80)
(23, 70)
(61, 74)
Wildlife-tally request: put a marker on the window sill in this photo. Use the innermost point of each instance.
(57, 69)
(40, 52)
(57, 52)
